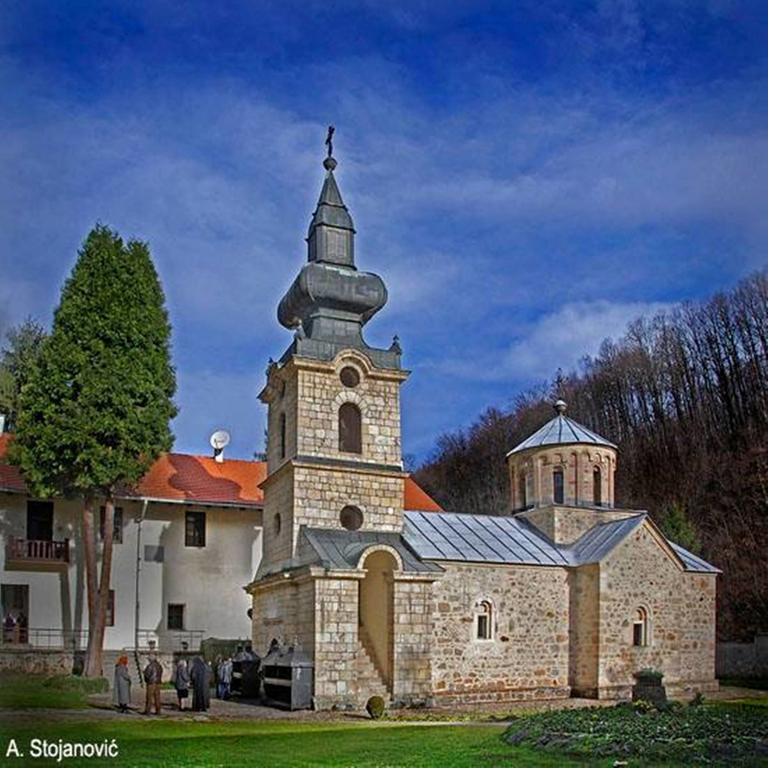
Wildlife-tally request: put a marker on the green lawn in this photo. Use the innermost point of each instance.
(293, 745)
(35, 692)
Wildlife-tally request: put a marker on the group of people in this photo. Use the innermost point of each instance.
(196, 676)
(15, 628)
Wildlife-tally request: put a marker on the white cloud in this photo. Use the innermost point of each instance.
(562, 338)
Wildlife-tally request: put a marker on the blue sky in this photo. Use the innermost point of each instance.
(527, 177)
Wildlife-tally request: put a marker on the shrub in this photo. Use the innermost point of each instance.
(642, 706)
(375, 707)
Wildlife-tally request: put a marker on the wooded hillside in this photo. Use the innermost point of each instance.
(684, 394)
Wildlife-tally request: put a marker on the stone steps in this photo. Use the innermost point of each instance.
(368, 677)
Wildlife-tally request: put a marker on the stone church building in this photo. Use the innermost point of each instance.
(565, 595)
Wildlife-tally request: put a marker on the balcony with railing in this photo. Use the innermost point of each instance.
(20, 553)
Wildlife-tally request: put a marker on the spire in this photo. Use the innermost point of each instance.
(330, 300)
(331, 236)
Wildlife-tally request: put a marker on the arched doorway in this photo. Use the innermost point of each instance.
(376, 608)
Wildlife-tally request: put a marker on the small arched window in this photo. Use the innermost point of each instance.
(484, 620)
(597, 486)
(350, 429)
(640, 628)
(277, 523)
(282, 435)
(558, 486)
(522, 490)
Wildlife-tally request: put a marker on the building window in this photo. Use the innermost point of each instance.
(175, 616)
(282, 435)
(110, 616)
(640, 628)
(484, 621)
(278, 524)
(351, 518)
(117, 532)
(597, 486)
(40, 520)
(523, 491)
(558, 486)
(350, 429)
(195, 529)
(349, 376)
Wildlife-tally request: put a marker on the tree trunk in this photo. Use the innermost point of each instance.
(97, 627)
(89, 552)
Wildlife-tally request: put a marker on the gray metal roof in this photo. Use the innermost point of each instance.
(561, 431)
(598, 541)
(693, 562)
(478, 539)
(341, 550)
(458, 537)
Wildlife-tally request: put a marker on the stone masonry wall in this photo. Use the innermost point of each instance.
(577, 462)
(412, 642)
(681, 608)
(320, 493)
(584, 638)
(528, 655)
(565, 525)
(336, 642)
(284, 611)
(321, 394)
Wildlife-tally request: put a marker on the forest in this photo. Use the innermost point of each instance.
(684, 395)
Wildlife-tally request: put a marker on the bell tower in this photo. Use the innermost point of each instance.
(334, 450)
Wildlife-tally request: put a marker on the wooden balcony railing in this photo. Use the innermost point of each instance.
(36, 550)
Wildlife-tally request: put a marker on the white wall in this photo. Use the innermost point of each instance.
(207, 580)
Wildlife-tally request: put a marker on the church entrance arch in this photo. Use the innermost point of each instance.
(376, 611)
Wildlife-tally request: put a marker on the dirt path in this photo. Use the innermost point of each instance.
(497, 715)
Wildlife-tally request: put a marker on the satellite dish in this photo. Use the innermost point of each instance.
(219, 439)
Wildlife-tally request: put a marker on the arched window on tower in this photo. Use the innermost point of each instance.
(282, 435)
(640, 628)
(597, 486)
(350, 429)
(558, 486)
(522, 489)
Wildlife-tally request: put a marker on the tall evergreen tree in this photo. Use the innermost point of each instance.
(95, 412)
(17, 359)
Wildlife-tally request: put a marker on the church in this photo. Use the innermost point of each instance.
(565, 595)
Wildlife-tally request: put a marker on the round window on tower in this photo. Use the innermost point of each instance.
(349, 377)
(351, 518)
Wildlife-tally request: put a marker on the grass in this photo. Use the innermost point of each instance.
(289, 745)
(56, 692)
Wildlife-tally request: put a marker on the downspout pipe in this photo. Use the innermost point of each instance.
(139, 521)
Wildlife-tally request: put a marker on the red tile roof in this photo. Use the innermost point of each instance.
(199, 479)
(417, 499)
(181, 477)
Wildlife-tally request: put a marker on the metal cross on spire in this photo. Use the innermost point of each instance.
(329, 140)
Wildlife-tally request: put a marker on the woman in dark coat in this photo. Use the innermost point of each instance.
(201, 685)
(122, 688)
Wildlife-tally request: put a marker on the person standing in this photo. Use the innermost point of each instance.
(224, 673)
(9, 628)
(200, 676)
(23, 625)
(122, 688)
(181, 682)
(153, 676)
